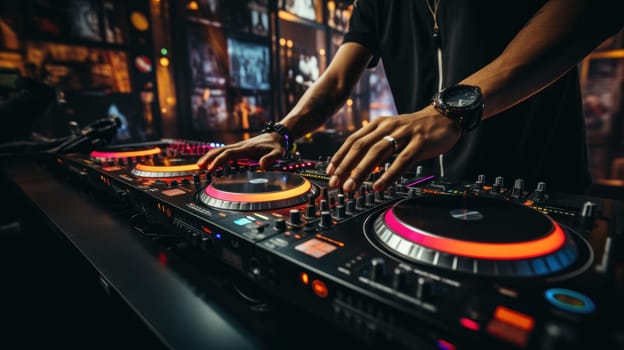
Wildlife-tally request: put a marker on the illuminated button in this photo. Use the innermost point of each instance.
(320, 288)
(511, 326)
(445, 345)
(242, 221)
(570, 300)
(514, 318)
(304, 278)
(315, 248)
(469, 324)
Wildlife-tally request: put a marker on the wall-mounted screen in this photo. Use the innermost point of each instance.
(308, 9)
(209, 109)
(207, 55)
(249, 65)
(77, 19)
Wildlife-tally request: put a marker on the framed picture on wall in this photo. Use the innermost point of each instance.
(249, 65)
(602, 81)
(207, 55)
(309, 9)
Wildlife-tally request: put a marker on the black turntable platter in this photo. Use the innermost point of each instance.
(257, 191)
(478, 235)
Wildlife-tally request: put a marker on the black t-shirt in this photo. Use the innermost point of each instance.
(541, 139)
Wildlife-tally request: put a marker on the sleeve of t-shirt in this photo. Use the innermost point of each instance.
(362, 28)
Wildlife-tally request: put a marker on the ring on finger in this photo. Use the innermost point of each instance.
(393, 141)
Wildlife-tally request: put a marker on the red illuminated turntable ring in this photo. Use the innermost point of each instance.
(257, 191)
(477, 235)
(166, 167)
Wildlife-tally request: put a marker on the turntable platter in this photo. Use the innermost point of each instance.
(473, 234)
(257, 191)
(124, 152)
(166, 167)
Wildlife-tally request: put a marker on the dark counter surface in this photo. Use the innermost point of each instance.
(185, 303)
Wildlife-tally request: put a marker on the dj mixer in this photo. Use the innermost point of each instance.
(426, 264)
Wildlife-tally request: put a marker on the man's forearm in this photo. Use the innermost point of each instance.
(313, 109)
(328, 93)
(550, 44)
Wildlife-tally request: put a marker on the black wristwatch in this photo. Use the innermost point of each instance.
(463, 103)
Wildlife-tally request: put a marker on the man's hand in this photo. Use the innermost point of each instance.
(421, 135)
(267, 148)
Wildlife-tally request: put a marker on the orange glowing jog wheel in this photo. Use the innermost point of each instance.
(257, 191)
(477, 235)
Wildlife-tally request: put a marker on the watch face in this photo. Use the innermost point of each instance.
(461, 96)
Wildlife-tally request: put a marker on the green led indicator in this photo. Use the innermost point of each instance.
(164, 51)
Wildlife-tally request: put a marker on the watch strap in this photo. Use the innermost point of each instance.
(283, 131)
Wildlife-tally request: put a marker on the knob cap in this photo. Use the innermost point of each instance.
(424, 288)
(377, 269)
(498, 184)
(588, 210)
(518, 188)
(399, 279)
(341, 199)
(295, 217)
(310, 211)
(419, 170)
(280, 224)
(540, 191)
(478, 185)
(324, 205)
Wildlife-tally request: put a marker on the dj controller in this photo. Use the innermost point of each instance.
(424, 264)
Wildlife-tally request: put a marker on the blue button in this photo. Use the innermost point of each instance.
(242, 221)
(570, 300)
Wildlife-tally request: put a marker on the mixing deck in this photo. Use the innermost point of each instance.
(425, 264)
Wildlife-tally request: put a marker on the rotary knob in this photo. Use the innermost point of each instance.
(350, 206)
(424, 288)
(518, 188)
(310, 210)
(478, 185)
(588, 210)
(341, 211)
(377, 269)
(295, 217)
(540, 191)
(341, 199)
(359, 203)
(370, 199)
(498, 184)
(419, 171)
(399, 279)
(326, 219)
(196, 179)
(324, 205)
(280, 224)
(392, 191)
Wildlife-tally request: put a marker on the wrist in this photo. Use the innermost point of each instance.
(286, 137)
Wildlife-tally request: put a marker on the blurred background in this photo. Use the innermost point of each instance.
(216, 70)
